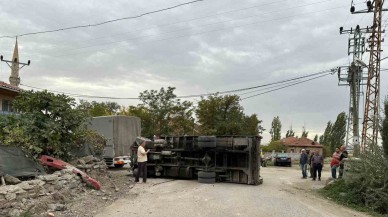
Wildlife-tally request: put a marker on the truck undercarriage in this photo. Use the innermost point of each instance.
(234, 159)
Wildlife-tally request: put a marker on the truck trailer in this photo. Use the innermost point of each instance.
(234, 159)
(120, 132)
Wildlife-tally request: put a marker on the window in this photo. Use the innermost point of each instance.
(7, 105)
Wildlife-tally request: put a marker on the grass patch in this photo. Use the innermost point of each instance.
(347, 195)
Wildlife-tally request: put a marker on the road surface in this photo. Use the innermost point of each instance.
(283, 193)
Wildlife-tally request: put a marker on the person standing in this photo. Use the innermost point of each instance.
(142, 162)
(317, 161)
(311, 165)
(343, 157)
(335, 163)
(303, 163)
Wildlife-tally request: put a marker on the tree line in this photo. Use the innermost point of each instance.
(333, 136)
(162, 113)
(56, 123)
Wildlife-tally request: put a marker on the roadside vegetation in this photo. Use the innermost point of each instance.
(365, 185)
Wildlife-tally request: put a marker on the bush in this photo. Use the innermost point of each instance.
(46, 124)
(365, 182)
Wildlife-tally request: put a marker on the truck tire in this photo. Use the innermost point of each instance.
(206, 175)
(207, 139)
(209, 144)
(207, 180)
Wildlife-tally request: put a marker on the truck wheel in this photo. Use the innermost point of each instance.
(119, 165)
(206, 175)
(207, 139)
(207, 180)
(206, 144)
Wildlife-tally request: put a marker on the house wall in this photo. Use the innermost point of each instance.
(293, 149)
(6, 95)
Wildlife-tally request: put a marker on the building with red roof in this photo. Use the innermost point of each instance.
(295, 145)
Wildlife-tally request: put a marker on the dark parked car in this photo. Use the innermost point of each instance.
(283, 159)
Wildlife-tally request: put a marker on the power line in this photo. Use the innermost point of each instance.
(214, 23)
(259, 86)
(101, 23)
(188, 20)
(200, 33)
(284, 87)
(187, 96)
(271, 87)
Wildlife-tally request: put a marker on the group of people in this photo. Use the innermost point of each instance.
(316, 161)
(337, 161)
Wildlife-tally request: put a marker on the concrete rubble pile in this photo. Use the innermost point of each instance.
(47, 193)
(91, 164)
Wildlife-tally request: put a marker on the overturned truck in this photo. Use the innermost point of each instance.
(234, 159)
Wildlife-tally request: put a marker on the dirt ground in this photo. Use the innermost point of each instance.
(283, 193)
(116, 184)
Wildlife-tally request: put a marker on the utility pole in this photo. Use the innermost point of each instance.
(14, 64)
(371, 127)
(353, 78)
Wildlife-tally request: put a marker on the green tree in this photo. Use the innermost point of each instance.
(321, 139)
(96, 109)
(159, 104)
(47, 123)
(164, 113)
(316, 138)
(252, 125)
(290, 133)
(338, 132)
(146, 117)
(304, 134)
(276, 128)
(326, 137)
(182, 120)
(384, 129)
(276, 146)
(223, 115)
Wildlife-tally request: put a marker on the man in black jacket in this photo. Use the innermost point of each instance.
(303, 163)
(343, 157)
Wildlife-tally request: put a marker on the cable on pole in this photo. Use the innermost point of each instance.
(102, 23)
(194, 95)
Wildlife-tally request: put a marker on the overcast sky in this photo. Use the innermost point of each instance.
(209, 46)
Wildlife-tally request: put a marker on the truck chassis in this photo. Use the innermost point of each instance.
(234, 159)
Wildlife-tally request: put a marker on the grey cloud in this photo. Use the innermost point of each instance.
(239, 56)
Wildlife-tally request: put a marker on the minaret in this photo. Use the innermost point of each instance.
(14, 79)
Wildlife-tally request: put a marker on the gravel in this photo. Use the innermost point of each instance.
(283, 193)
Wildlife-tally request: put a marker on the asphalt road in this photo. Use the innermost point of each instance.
(283, 193)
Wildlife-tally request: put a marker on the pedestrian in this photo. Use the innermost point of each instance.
(311, 165)
(141, 162)
(317, 161)
(335, 163)
(303, 163)
(343, 158)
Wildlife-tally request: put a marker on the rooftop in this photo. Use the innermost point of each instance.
(300, 142)
(6, 86)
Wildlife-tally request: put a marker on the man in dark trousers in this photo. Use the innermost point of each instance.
(311, 165)
(303, 163)
(142, 162)
(317, 161)
(343, 158)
